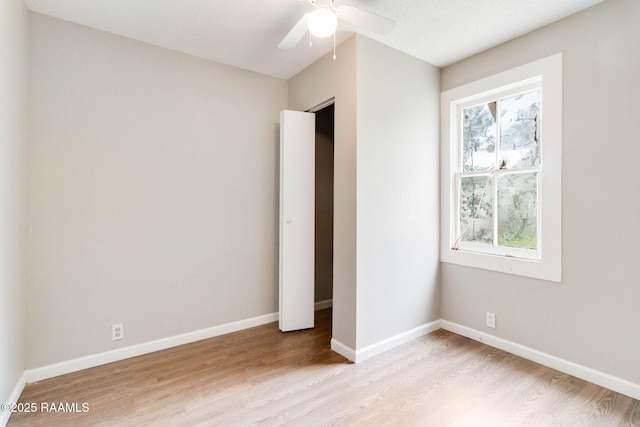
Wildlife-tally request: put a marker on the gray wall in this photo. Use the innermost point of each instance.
(153, 192)
(398, 103)
(13, 130)
(592, 317)
(323, 80)
(386, 187)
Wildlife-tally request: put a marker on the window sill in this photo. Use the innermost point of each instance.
(503, 264)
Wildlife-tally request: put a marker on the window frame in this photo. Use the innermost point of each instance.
(527, 86)
(546, 261)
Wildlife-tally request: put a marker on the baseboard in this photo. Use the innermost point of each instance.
(596, 377)
(343, 350)
(369, 351)
(13, 398)
(372, 350)
(323, 304)
(54, 370)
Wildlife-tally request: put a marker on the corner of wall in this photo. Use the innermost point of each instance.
(14, 26)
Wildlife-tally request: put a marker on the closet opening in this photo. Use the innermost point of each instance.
(324, 191)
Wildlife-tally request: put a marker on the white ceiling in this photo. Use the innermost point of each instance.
(246, 33)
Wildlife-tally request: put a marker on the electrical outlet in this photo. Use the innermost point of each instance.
(491, 320)
(117, 331)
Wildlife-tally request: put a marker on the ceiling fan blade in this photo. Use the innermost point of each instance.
(296, 34)
(365, 20)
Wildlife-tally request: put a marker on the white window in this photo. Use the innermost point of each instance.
(501, 171)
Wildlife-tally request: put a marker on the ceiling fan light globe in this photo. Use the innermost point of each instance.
(322, 22)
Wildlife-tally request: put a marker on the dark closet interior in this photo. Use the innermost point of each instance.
(324, 204)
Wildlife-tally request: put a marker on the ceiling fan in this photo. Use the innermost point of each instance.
(323, 21)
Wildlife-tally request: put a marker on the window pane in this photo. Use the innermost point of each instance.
(476, 209)
(517, 210)
(479, 137)
(520, 130)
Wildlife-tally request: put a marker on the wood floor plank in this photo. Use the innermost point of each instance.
(263, 377)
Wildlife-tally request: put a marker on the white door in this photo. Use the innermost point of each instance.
(297, 219)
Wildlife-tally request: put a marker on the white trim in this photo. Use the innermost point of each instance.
(372, 350)
(596, 377)
(50, 371)
(394, 341)
(593, 376)
(322, 105)
(13, 398)
(343, 349)
(320, 305)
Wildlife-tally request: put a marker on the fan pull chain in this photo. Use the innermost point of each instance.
(334, 45)
(310, 42)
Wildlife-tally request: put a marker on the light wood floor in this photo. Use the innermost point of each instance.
(261, 376)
